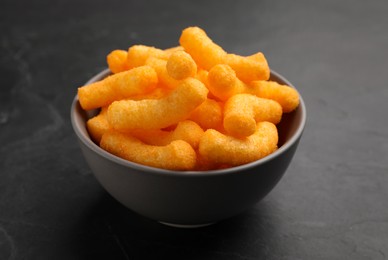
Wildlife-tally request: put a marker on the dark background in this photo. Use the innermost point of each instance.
(332, 202)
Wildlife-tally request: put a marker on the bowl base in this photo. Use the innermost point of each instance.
(186, 226)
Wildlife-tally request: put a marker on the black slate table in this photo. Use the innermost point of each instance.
(331, 203)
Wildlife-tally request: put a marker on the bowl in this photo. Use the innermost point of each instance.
(189, 198)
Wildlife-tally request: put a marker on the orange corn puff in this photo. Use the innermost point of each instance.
(202, 76)
(203, 50)
(223, 82)
(98, 125)
(285, 95)
(178, 155)
(138, 54)
(117, 86)
(207, 54)
(173, 49)
(243, 111)
(117, 61)
(158, 113)
(160, 66)
(208, 114)
(222, 149)
(186, 130)
(180, 65)
(249, 68)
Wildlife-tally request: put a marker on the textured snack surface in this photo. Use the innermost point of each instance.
(286, 96)
(158, 113)
(180, 65)
(189, 107)
(117, 86)
(243, 111)
(178, 155)
(223, 149)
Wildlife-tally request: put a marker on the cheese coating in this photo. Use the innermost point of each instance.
(138, 54)
(117, 61)
(285, 95)
(186, 130)
(158, 113)
(203, 50)
(97, 126)
(178, 155)
(208, 115)
(222, 149)
(180, 65)
(223, 82)
(117, 86)
(160, 66)
(243, 111)
(207, 54)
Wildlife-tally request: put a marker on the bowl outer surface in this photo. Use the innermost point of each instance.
(186, 197)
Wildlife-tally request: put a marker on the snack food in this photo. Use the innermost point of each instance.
(221, 149)
(138, 54)
(178, 155)
(189, 107)
(127, 115)
(223, 82)
(286, 96)
(117, 61)
(208, 115)
(180, 65)
(243, 111)
(160, 66)
(207, 54)
(98, 125)
(186, 130)
(121, 85)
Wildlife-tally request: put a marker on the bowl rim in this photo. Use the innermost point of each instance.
(86, 140)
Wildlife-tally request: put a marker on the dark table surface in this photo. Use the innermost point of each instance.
(331, 203)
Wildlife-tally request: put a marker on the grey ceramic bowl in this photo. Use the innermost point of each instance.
(193, 198)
